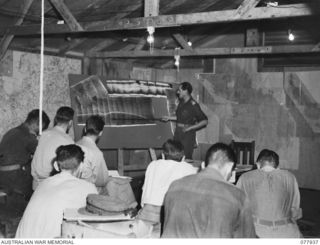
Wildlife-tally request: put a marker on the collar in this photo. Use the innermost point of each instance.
(59, 128)
(267, 168)
(212, 174)
(87, 138)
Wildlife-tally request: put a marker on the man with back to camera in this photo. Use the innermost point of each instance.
(274, 197)
(49, 141)
(94, 168)
(16, 149)
(158, 177)
(205, 205)
(189, 118)
(44, 213)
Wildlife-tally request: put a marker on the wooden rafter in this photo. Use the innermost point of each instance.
(246, 6)
(67, 16)
(183, 43)
(76, 42)
(234, 51)
(101, 45)
(71, 22)
(141, 44)
(7, 38)
(161, 21)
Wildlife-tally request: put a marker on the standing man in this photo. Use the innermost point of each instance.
(274, 197)
(16, 150)
(205, 205)
(50, 140)
(189, 117)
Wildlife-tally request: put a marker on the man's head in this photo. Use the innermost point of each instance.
(184, 90)
(32, 121)
(94, 126)
(69, 157)
(64, 116)
(222, 158)
(267, 158)
(173, 150)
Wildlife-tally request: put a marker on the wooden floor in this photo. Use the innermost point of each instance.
(12, 210)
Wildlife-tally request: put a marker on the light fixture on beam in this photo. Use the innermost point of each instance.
(291, 37)
(177, 58)
(150, 38)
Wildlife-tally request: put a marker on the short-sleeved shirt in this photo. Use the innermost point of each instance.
(17, 146)
(190, 112)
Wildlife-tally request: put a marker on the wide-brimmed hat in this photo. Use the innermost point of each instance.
(107, 205)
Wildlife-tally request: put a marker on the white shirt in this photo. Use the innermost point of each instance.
(49, 141)
(94, 168)
(44, 213)
(159, 176)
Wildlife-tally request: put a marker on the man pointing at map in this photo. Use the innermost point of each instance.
(189, 118)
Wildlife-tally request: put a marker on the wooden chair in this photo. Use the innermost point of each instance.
(244, 152)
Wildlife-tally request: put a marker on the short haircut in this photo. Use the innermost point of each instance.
(64, 115)
(186, 86)
(173, 150)
(268, 156)
(69, 156)
(33, 117)
(94, 125)
(220, 153)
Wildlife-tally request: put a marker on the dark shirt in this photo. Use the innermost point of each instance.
(17, 146)
(204, 205)
(190, 112)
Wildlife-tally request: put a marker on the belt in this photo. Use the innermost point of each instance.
(10, 167)
(272, 223)
(182, 125)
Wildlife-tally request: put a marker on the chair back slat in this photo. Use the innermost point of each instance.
(244, 152)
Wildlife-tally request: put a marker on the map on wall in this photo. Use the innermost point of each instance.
(131, 109)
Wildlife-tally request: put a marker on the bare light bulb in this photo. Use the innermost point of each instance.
(150, 39)
(290, 36)
(189, 43)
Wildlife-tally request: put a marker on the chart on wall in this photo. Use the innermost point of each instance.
(131, 109)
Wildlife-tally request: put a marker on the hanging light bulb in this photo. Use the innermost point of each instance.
(150, 38)
(189, 43)
(177, 63)
(177, 58)
(290, 36)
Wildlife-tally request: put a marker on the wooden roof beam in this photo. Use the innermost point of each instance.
(234, 51)
(7, 38)
(141, 44)
(246, 6)
(67, 16)
(182, 42)
(286, 11)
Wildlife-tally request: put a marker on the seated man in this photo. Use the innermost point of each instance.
(44, 213)
(274, 197)
(159, 175)
(16, 149)
(94, 168)
(50, 140)
(205, 205)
